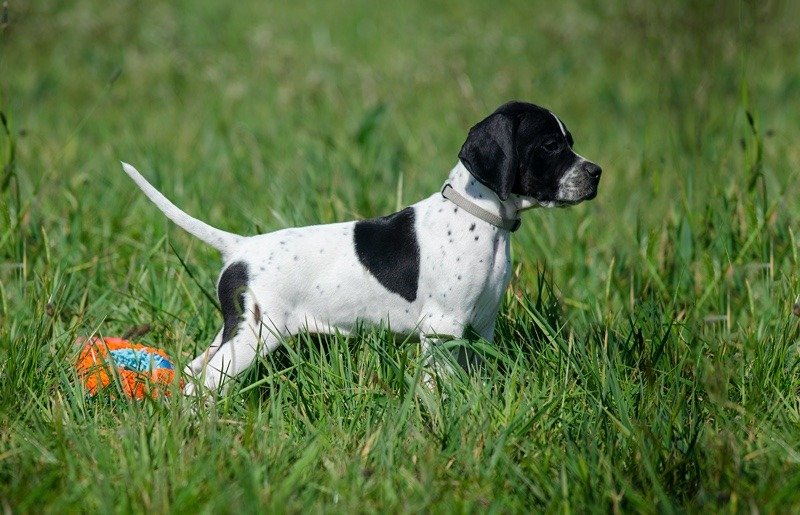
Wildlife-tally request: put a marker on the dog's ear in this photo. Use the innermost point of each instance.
(490, 154)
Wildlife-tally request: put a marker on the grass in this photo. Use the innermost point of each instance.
(646, 356)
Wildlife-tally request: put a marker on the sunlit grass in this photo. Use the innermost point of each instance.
(646, 356)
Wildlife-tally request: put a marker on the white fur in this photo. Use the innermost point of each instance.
(220, 240)
(560, 125)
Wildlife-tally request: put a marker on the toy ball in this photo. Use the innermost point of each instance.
(141, 371)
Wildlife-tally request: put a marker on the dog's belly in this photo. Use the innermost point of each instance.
(310, 278)
(357, 303)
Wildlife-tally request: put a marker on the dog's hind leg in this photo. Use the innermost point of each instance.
(237, 355)
(195, 367)
(216, 367)
(236, 346)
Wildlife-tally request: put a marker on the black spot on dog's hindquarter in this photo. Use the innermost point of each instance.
(232, 285)
(388, 249)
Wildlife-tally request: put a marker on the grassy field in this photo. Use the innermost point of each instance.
(646, 359)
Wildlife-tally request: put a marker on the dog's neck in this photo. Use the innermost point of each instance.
(482, 196)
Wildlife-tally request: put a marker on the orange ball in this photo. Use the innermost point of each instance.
(142, 371)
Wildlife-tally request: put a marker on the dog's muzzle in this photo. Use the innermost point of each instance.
(579, 183)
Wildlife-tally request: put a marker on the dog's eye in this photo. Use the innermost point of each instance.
(551, 145)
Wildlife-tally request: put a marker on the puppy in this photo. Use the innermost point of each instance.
(432, 269)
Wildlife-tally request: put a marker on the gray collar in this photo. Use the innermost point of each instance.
(470, 207)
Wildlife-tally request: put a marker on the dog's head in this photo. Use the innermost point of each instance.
(523, 149)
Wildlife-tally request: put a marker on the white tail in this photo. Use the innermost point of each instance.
(220, 240)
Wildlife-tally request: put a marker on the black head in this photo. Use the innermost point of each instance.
(523, 149)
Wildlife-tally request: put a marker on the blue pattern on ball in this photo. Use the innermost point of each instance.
(139, 360)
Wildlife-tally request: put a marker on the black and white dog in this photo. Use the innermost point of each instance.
(433, 269)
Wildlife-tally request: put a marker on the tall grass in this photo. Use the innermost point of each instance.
(646, 356)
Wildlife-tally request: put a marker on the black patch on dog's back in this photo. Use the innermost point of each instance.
(388, 249)
(232, 285)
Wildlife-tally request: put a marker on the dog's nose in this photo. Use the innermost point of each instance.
(592, 170)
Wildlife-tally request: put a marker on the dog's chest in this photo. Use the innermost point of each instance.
(466, 261)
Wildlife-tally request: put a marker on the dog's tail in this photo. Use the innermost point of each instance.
(220, 240)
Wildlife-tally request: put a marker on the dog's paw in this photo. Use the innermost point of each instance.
(428, 380)
(195, 390)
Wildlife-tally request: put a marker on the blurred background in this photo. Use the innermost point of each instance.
(259, 115)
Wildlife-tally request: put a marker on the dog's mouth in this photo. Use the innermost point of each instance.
(575, 187)
(592, 193)
(574, 196)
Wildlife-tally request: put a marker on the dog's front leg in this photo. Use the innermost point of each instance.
(439, 360)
